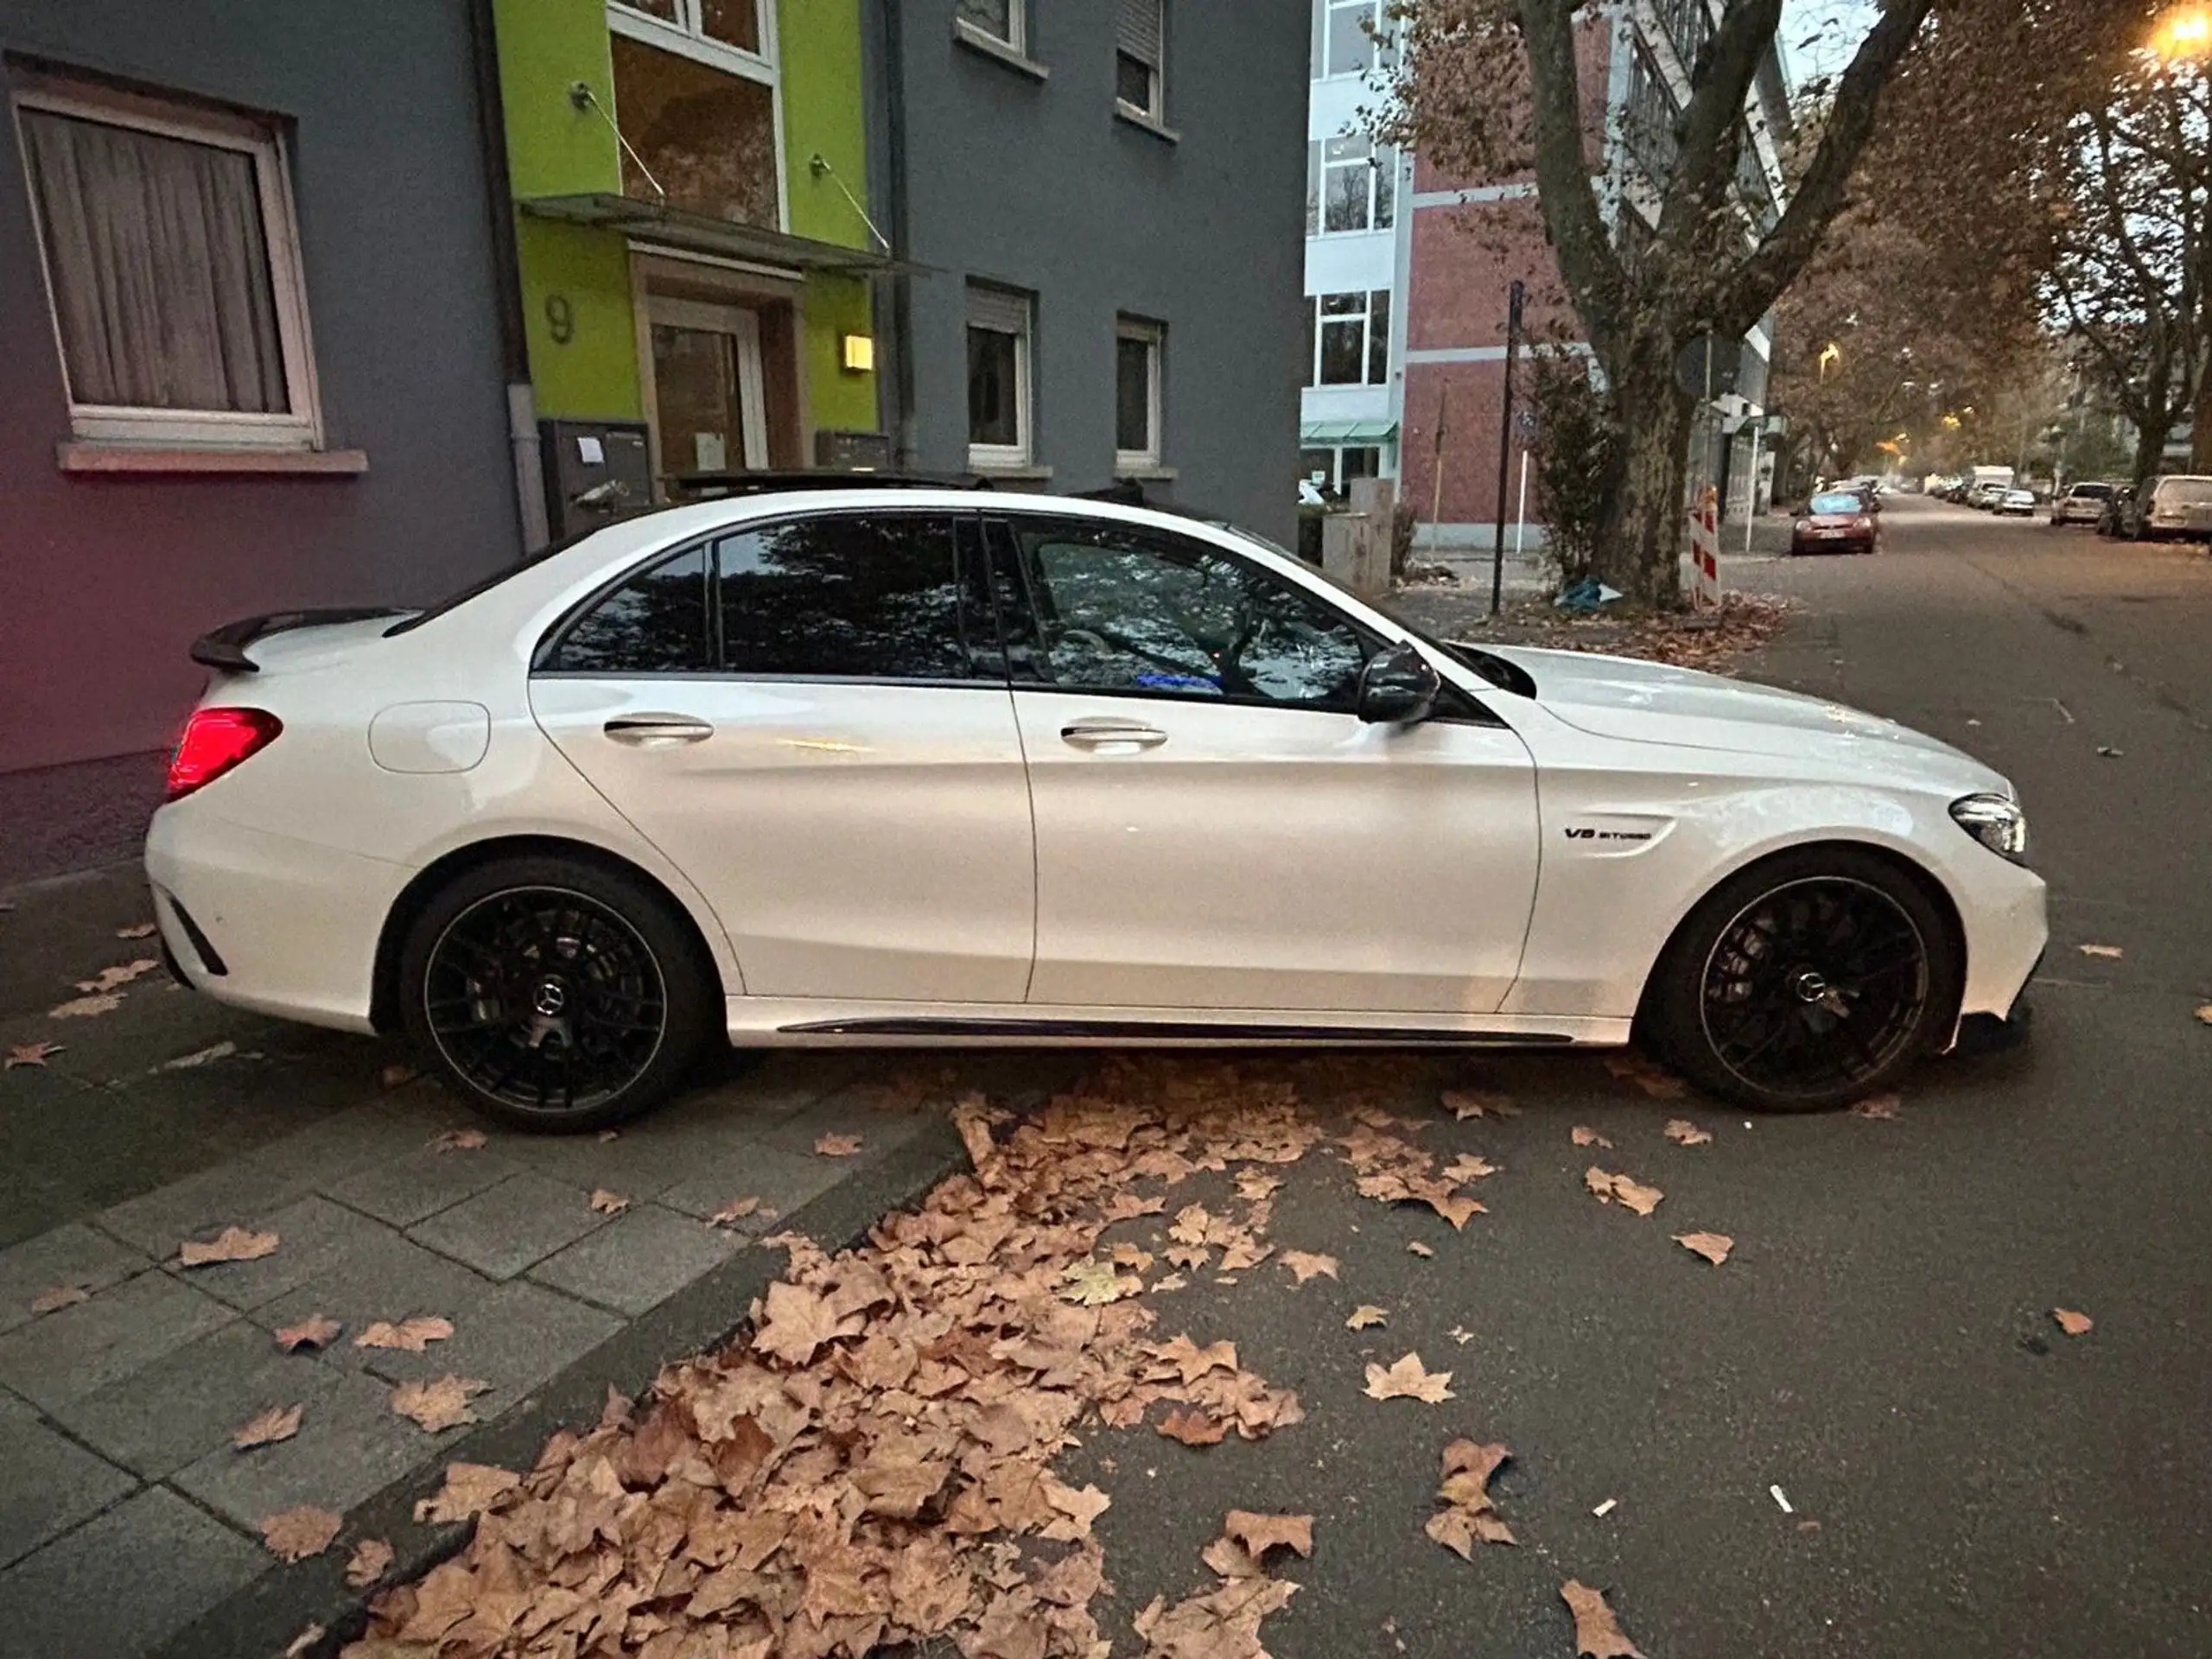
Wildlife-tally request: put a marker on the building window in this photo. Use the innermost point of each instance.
(1140, 56)
(1347, 43)
(708, 138)
(1348, 337)
(1005, 21)
(999, 422)
(1648, 120)
(1351, 184)
(1689, 26)
(725, 33)
(172, 263)
(1137, 397)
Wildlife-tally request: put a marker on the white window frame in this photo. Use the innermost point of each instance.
(298, 427)
(1365, 318)
(687, 38)
(1008, 311)
(1328, 70)
(1154, 336)
(1378, 157)
(1157, 112)
(1015, 40)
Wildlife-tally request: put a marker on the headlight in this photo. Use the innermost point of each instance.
(1995, 823)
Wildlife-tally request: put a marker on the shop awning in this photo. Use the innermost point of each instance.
(665, 226)
(1320, 435)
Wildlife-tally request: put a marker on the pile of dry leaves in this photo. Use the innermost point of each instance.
(1715, 641)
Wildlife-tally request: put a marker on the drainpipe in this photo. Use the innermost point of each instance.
(506, 263)
(892, 51)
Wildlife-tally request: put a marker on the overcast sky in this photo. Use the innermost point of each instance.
(1819, 36)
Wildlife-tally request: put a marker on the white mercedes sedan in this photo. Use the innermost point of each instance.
(908, 765)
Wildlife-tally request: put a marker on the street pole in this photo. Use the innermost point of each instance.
(1519, 295)
(1751, 493)
(1436, 490)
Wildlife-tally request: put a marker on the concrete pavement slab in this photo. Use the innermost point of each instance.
(350, 1444)
(504, 1229)
(66, 1356)
(48, 1484)
(518, 1336)
(122, 1583)
(71, 1254)
(416, 1184)
(386, 1277)
(314, 1236)
(878, 1127)
(645, 1256)
(781, 1181)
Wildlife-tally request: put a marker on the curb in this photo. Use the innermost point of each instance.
(259, 1620)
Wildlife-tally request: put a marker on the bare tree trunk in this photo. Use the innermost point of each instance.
(2151, 451)
(1640, 549)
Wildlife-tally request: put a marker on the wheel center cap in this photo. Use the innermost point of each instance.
(551, 998)
(1810, 984)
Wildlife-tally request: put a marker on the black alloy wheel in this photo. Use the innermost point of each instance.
(555, 996)
(1806, 983)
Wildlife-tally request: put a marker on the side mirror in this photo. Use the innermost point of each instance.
(1397, 687)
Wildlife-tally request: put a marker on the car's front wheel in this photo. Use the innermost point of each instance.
(1805, 982)
(555, 993)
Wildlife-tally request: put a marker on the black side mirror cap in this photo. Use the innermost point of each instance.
(1397, 687)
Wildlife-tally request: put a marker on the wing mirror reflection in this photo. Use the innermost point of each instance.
(1397, 687)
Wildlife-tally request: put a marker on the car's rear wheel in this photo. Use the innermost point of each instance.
(555, 995)
(1805, 982)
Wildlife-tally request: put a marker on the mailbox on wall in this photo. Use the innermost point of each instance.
(596, 472)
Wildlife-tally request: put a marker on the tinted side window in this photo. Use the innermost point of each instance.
(852, 596)
(1124, 611)
(655, 623)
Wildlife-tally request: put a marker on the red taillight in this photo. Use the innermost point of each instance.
(216, 740)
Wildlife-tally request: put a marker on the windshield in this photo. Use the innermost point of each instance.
(2092, 492)
(1835, 504)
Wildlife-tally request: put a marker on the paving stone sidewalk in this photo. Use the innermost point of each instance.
(125, 1512)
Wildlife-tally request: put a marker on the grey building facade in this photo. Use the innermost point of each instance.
(252, 357)
(1099, 209)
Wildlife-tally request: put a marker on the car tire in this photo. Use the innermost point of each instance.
(556, 995)
(1755, 998)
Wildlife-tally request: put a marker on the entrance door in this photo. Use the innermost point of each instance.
(708, 394)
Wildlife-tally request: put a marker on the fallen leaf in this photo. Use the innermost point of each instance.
(277, 1423)
(367, 1563)
(470, 1489)
(1191, 1426)
(1460, 1334)
(143, 931)
(606, 1135)
(109, 978)
(1261, 1533)
(1307, 1265)
(2072, 1323)
(1587, 1137)
(1189, 1362)
(2204, 1014)
(1469, 1167)
(838, 1146)
(798, 1321)
(1464, 1103)
(1405, 1379)
(413, 1335)
(62, 1296)
(1880, 1108)
(1364, 1315)
(310, 1333)
(1470, 1517)
(1682, 1131)
(1713, 1246)
(231, 1244)
(1624, 1190)
(201, 1057)
(606, 1203)
(31, 1053)
(83, 1008)
(394, 1076)
(1597, 1634)
(1094, 1284)
(440, 1403)
(734, 1212)
(305, 1640)
(2110, 952)
(458, 1140)
(1419, 1249)
(294, 1534)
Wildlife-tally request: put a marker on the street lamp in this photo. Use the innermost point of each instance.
(2186, 32)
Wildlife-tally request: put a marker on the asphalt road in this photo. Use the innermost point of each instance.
(1964, 1480)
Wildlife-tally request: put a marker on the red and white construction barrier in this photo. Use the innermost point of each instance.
(1705, 551)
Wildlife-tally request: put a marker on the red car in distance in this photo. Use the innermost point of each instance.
(1837, 521)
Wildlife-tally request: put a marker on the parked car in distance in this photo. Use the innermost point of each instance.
(914, 766)
(2015, 504)
(2175, 509)
(2083, 504)
(2117, 516)
(1836, 521)
(1986, 493)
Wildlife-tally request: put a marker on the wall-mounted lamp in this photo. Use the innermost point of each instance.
(858, 353)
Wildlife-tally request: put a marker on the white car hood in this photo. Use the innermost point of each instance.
(1648, 703)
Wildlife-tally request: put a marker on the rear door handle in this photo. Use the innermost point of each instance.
(655, 731)
(1112, 734)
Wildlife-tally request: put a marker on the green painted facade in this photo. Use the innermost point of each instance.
(577, 298)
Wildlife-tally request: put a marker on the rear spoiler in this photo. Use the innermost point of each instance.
(224, 647)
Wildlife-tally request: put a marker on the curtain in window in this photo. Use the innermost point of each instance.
(159, 267)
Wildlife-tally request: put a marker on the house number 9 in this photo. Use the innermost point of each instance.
(561, 318)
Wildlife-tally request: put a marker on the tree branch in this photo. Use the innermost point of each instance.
(1587, 262)
(1731, 61)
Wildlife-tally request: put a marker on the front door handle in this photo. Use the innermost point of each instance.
(655, 731)
(1112, 734)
